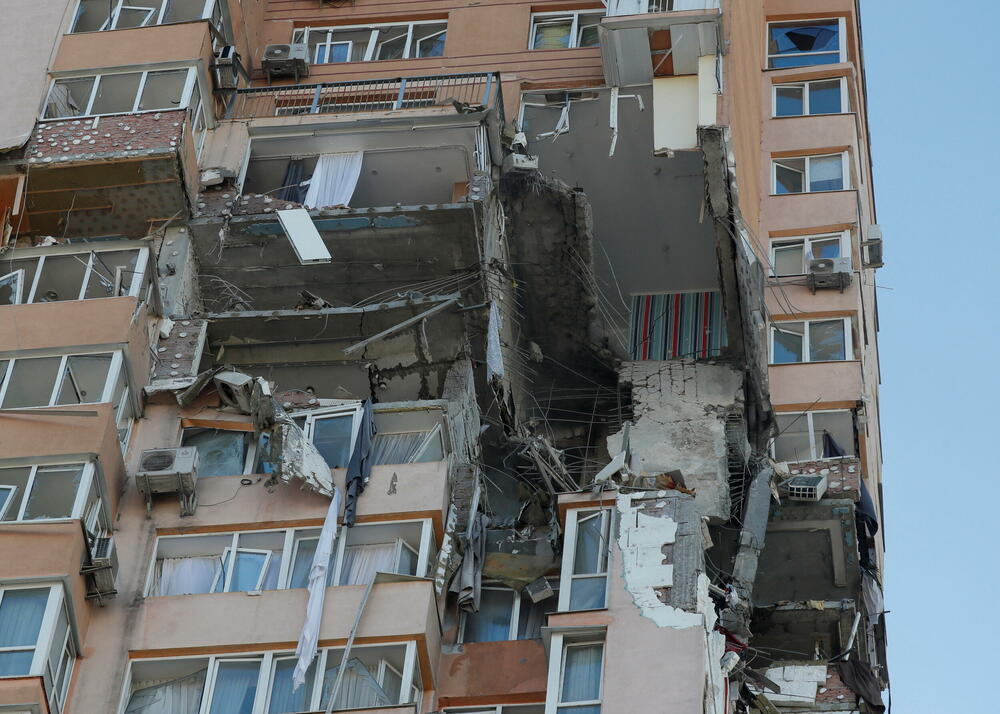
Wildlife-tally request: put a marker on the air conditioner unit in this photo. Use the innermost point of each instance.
(520, 163)
(234, 389)
(286, 61)
(167, 471)
(806, 487)
(104, 560)
(873, 248)
(225, 68)
(829, 273)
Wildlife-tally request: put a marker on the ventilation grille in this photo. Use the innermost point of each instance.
(158, 461)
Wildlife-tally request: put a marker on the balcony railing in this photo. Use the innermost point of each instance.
(638, 7)
(479, 89)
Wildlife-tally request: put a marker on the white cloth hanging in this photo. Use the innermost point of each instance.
(334, 180)
(185, 576)
(361, 562)
(309, 636)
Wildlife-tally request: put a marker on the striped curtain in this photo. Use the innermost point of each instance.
(677, 326)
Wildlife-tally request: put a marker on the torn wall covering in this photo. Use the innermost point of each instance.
(679, 411)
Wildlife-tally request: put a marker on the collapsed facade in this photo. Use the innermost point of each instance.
(499, 357)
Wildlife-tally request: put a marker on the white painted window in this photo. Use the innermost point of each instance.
(586, 549)
(576, 674)
(119, 93)
(62, 273)
(59, 379)
(281, 558)
(564, 30)
(365, 43)
(99, 15)
(499, 709)
(36, 638)
(814, 435)
(809, 174)
(505, 615)
(791, 256)
(49, 491)
(795, 341)
(815, 97)
(804, 43)
(333, 432)
(379, 675)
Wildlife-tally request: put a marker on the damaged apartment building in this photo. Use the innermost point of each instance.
(496, 357)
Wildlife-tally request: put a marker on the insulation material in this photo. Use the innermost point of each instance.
(494, 357)
(799, 684)
(675, 111)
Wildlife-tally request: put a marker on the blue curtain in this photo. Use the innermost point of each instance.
(283, 699)
(21, 614)
(235, 687)
(492, 622)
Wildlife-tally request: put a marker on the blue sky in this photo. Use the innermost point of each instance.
(934, 99)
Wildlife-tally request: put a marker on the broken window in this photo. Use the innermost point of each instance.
(810, 436)
(221, 452)
(811, 341)
(45, 492)
(807, 174)
(677, 326)
(97, 15)
(56, 276)
(385, 548)
(802, 44)
(505, 615)
(564, 30)
(792, 256)
(585, 560)
(821, 96)
(576, 672)
(119, 93)
(364, 43)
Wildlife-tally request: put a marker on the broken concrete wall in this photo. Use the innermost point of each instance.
(679, 411)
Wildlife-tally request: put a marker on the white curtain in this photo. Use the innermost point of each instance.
(361, 562)
(358, 688)
(397, 448)
(185, 576)
(334, 180)
(582, 673)
(826, 172)
(178, 696)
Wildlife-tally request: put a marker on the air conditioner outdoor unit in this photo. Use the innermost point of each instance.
(873, 248)
(520, 163)
(225, 68)
(806, 487)
(105, 563)
(829, 273)
(167, 471)
(286, 61)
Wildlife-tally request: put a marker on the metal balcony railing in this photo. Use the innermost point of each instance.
(478, 89)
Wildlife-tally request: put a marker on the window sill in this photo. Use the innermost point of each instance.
(821, 361)
(812, 116)
(812, 193)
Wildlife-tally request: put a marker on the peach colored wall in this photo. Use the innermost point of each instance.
(801, 296)
(23, 691)
(71, 323)
(491, 672)
(804, 210)
(823, 381)
(181, 42)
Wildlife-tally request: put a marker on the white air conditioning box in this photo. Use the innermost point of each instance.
(104, 556)
(809, 487)
(286, 60)
(167, 470)
(224, 68)
(830, 265)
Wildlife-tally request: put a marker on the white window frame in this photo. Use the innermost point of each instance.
(841, 41)
(547, 18)
(135, 286)
(422, 40)
(79, 501)
(86, 113)
(816, 449)
(515, 611)
(213, 670)
(301, 35)
(110, 23)
(847, 323)
(229, 567)
(804, 84)
(566, 576)
(110, 378)
(845, 169)
(561, 642)
(806, 241)
(315, 415)
(56, 604)
(18, 281)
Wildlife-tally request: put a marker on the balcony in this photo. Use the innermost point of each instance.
(23, 694)
(485, 672)
(814, 685)
(178, 43)
(431, 94)
(809, 382)
(642, 7)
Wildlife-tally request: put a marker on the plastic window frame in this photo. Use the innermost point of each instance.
(135, 287)
(562, 642)
(228, 567)
(566, 575)
(107, 394)
(515, 611)
(814, 447)
(841, 41)
(332, 412)
(301, 35)
(95, 84)
(805, 241)
(87, 476)
(806, 179)
(804, 84)
(206, 14)
(55, 604)
(546, 18)
(846, 322)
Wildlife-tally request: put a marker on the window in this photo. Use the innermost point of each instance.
(584, 576)
(119, 93)
(802, 44)
(576, 673)
(98, 15)
(65, 379)
(791, 256)
(807, 174)
(821, 96)
(811, 341)
(564, 30)
(374, 676)
(364, 43)
(36, 638)
(57, 276)
(44, 492)
(278, 559)
(810, 436)
(677, 326)
(221, 452)
(505, 615)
